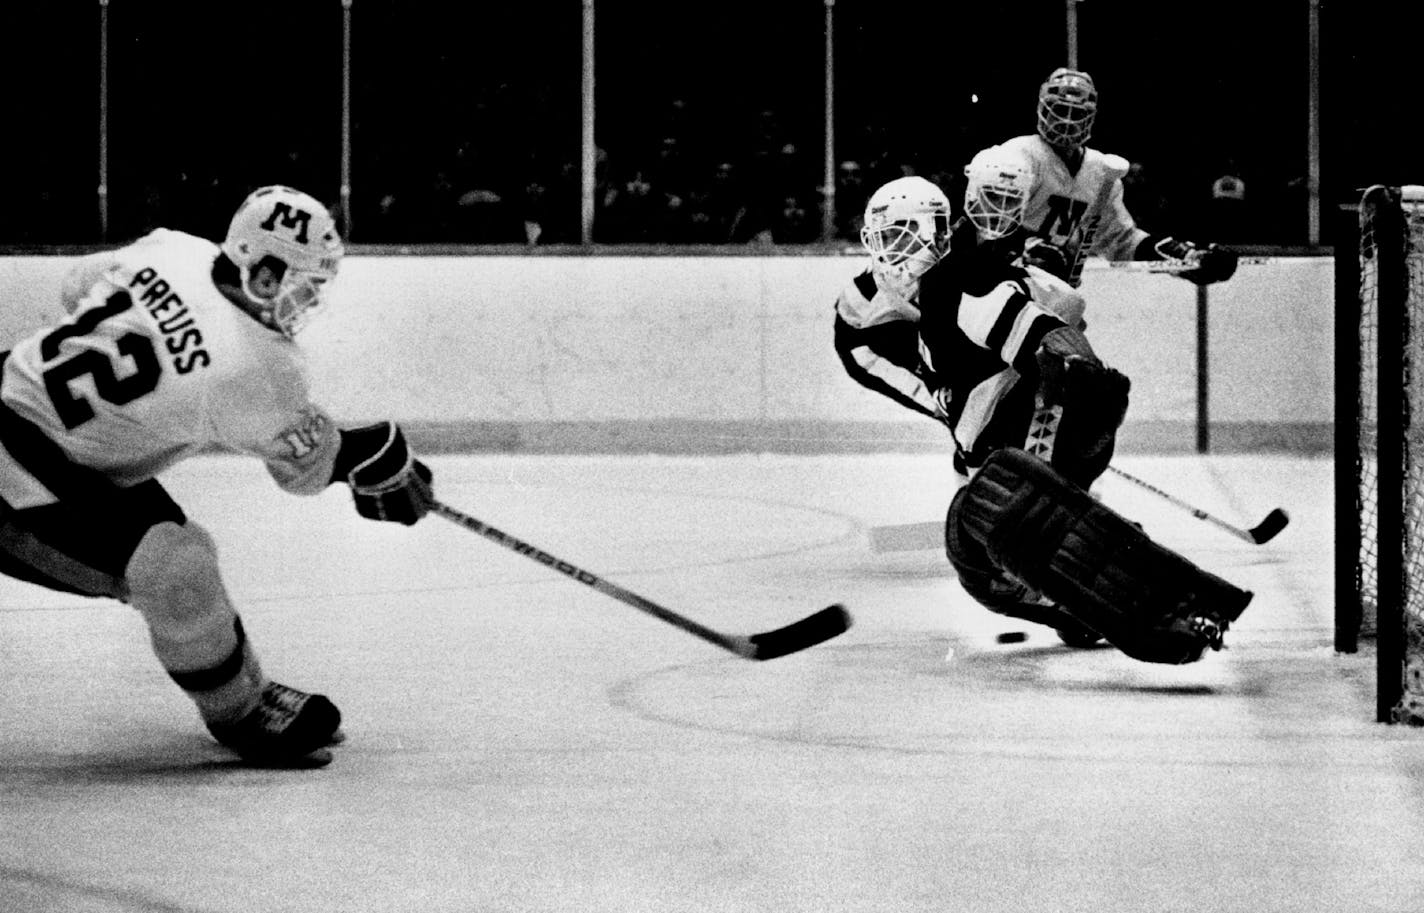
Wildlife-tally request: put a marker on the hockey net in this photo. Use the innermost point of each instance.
(1389, 570)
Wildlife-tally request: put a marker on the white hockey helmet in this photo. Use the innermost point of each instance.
(996, 192)
(906, 228)
(1067, 104)
(297, 230)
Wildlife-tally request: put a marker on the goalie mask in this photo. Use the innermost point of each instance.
(1067, 104)
(906, 230)
(996, 193)
(293, 228)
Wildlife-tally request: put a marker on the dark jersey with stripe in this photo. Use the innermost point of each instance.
(978, 342)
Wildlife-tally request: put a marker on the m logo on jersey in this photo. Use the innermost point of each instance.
(306, 434)
(1064, 214)
(298, 220)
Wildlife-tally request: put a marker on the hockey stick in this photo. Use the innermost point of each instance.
(1168, 266)
(1262, 532)
(809, 631)
(907, 537)
(917, 537)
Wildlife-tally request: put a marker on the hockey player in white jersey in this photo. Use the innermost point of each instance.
(175, 346)
(1076, 204)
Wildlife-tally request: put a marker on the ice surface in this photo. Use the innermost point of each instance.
(518, 742)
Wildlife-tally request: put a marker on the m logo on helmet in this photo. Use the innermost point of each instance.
(298, 220)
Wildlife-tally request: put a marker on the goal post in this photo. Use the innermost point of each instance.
(1379, 451)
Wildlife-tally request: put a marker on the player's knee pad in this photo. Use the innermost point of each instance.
(1101, 568)
(174, 582)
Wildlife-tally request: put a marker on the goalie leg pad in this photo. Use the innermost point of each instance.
(1148, 601)
(990, 586)
(175, 584)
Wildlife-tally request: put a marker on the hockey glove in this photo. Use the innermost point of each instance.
(1217, 265)
(1046, 256)
(1213, 263)
(1094, 399)
(386, 480)
(942, 399)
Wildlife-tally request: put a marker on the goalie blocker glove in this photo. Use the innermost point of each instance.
(1213, 263)
(386, 480)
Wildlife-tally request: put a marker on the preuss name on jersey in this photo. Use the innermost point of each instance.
(181, 336)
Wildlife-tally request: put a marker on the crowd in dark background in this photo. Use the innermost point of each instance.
(466, 122)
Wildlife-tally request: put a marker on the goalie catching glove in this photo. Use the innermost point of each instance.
(1212, 263)
(387, 481)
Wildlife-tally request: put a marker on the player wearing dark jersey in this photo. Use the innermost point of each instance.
(1034, 413)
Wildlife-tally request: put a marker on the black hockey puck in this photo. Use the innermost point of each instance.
(1012, 637)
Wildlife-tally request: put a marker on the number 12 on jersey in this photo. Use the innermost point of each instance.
(74, 409)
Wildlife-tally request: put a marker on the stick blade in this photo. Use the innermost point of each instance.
(1267, 529)
(814, 629)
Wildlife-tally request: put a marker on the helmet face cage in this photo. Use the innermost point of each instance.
(293, 228)
(299, 299)
(996, 196)
(1067, 104)
(906, 228)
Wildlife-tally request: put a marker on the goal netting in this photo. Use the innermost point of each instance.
(1387, 602)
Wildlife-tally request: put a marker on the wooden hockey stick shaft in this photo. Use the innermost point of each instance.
(1262, 532)
(809, 631)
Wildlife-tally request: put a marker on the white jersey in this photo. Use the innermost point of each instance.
(868, 301)
(156, 364)
(867, 307)
(1065, 208)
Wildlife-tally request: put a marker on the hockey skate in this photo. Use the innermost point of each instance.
(1209, 629)
(1186, 637)
(287, 729)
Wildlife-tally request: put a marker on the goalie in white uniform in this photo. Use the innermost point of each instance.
(175, 346)
(1076, 207)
